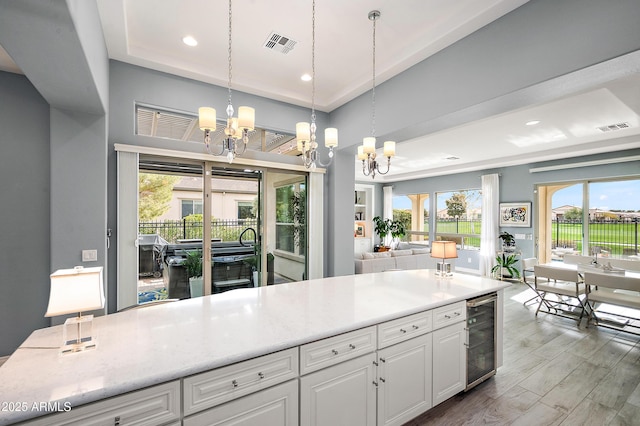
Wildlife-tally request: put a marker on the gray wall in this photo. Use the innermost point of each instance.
(59, 46)
(525, 57)
(24, 216)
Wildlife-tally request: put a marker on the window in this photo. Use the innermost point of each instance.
(190, 207)
(245, 210)
(588, 216)
(458, 217)
(291, 218)
(413, 211)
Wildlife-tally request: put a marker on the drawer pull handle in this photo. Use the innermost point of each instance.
(402, 330)
(382, 380)
(447, 316)
(383, 360)
(415, 327)
(116, 421)
(375, 383)
(351, 346)
(260, 375)
(235, 383)
(333, 351)
(456, 314)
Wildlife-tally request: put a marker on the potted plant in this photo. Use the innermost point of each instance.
(508, 241)
(193, 265)
(506, 266)
(382, 228)
(398, 231)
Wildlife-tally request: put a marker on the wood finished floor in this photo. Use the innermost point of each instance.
(554, 373)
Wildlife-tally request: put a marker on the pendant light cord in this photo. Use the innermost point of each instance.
(374, 18)
(229, 52)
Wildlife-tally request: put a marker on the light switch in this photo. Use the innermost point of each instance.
(89, 255)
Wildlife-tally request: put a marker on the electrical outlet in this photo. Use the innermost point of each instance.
(89, 255)
(468, 260)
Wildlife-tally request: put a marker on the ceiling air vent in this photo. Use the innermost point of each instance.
(279, 43)
(612, 127)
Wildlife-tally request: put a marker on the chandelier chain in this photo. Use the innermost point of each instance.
(313, 62)
(373, 91)
(229, 52)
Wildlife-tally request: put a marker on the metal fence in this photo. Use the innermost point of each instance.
(181, 229)
(618, 237)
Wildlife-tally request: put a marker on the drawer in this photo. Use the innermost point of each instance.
(401, 329)
(333, 350)
(449, 314)
(214, 387)
(152, 406)
(274, 406)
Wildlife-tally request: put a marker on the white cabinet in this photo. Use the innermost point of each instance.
(404, 380)
(449, 361)
(157, 405)
(344, 394)
(274, 406)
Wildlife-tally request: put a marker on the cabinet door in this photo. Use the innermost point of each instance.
(274, 406)
(449, 362)
(404, 378)
(157, 405)
(341, 395)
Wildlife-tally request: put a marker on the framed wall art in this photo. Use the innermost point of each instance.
(515, 214)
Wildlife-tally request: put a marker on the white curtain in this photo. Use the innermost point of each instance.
(490, 223)
(387, 205)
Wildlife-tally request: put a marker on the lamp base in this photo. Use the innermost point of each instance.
(443, 270)
(77, 335)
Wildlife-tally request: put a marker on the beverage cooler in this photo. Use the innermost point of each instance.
(481, 339)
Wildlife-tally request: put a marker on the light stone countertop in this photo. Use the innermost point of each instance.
(145, 347)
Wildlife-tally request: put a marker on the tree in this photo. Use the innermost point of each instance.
(403, 216)
(573, 213)
(456, 205)
(154, 193)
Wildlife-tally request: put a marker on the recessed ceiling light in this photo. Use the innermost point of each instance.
(532, 122)
(189, 41)
(305, 77)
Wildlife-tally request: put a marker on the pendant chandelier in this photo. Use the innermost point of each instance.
(237, 129)
(367, 151)
(306, 132)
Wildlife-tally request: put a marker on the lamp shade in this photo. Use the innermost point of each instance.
(444, 250)
(330, 137)
(207, 118)
(369, 144)
(389, 148)
(361, 154)
(246, 118)
(75, 290)
(303, 131)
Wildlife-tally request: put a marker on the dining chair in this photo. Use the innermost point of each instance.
(527, 269)
(617, 290)
(565, 285)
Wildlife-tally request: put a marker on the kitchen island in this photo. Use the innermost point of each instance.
(163, 344)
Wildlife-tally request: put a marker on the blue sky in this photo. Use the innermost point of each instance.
(619, 195)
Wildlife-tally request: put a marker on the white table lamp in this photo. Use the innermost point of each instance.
(74, 291)
(444, 250)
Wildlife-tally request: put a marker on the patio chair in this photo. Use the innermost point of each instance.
(565, 285)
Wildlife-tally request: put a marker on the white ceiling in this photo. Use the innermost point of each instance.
(149, 33)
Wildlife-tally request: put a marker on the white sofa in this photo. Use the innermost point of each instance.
(395, 259)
